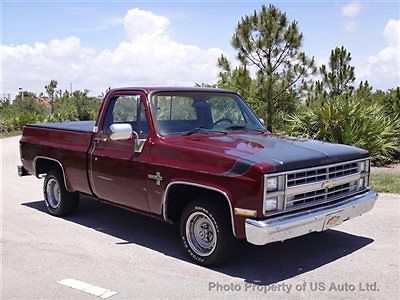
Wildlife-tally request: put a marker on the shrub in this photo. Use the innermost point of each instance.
(17, 122)
(348, 121)
(60, 117)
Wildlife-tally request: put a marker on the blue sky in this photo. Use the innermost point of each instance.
(100, 26)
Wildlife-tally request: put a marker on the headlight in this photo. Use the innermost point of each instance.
(271, 204)
(363, 183)
(272, 184)
(274, 189)
(364, 166)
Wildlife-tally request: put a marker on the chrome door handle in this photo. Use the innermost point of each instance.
(98, 139)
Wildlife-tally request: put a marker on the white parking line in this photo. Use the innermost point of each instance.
(87, 288)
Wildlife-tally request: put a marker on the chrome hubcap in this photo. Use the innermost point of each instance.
(201, 234)
(53, 193)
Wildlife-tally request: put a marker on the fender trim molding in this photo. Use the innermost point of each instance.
(51, 159)
(164, 200)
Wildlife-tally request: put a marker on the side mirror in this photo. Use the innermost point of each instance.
(124, 131)
(120, 132)
(262, 121)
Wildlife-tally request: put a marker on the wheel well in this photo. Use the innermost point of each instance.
(179, 195)
(44, 165)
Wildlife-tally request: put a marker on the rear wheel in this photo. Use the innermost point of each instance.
(58, 200)
(206, 233)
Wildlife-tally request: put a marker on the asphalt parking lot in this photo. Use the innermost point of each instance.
(138, 257)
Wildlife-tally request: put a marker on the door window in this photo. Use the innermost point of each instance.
(127, 109)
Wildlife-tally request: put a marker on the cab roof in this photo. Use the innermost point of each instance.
(148, 90)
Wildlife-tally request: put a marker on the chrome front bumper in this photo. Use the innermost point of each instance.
(318, 219)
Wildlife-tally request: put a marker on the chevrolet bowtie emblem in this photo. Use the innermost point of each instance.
(333, 221)
(328, 184)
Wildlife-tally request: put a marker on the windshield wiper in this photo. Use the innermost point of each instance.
(195, 130)
(242, 127)
(236, 127)
(202, 129)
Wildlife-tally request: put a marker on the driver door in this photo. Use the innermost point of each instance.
(117, 173)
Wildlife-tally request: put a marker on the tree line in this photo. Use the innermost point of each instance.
(56, 106)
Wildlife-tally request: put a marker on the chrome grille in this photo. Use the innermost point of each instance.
(314, 186)
(322, 195)
(323, 173)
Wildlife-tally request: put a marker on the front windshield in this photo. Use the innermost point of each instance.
(180, 113)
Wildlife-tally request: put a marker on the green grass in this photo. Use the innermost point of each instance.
(386, 183)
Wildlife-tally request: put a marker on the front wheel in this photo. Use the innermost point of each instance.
(58, 200)
(206, 233)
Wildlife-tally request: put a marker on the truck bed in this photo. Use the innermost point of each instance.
(65, 142)
(81, 126)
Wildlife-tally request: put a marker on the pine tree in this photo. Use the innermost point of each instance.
(267, 42)
(339, 78)
(364, 91)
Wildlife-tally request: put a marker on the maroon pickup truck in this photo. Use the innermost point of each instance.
(199, 158)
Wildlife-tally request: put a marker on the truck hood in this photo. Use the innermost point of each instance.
(279, 152)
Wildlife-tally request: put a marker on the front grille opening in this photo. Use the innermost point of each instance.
(308, 197)
(343, 170)
(309, 194)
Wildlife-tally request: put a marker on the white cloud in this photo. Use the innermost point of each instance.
(382, 70)
(149, 56)
(392, 32)
(138, 23)
(352, 9)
